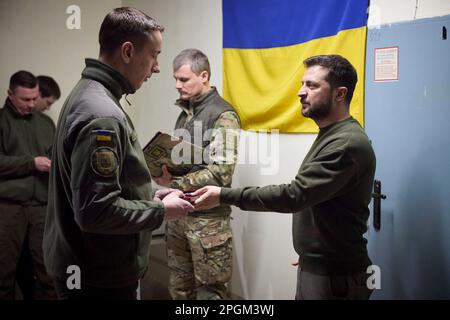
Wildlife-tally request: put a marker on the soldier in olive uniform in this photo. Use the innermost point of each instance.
(49, 92)
(101, 210)
(200, 246)
(26, 139)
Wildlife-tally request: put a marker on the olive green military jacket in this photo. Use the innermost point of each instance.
(100, 213)
(329, 198)
(22, 138)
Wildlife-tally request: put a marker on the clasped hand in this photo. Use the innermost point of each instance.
(178, 204)
(175, 204)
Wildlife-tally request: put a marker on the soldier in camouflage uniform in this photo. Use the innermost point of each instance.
(199, 246)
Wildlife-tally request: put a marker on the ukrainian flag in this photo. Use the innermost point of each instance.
(264, 45)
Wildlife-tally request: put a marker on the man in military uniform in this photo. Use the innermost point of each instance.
(101, 211)
(26, 139)
(331, 192)
(25, 276)
(199, 246)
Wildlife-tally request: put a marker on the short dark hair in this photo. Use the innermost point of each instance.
(48, 87)
(195, 58)
(341, 73)
(125, 24)
(24, 79)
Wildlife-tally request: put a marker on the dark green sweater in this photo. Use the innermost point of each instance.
(329, 198)
(22, 138)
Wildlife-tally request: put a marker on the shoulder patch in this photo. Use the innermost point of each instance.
(104, 161)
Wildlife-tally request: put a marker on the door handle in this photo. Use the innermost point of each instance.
(377, 196)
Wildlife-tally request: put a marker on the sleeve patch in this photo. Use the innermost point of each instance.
(104, 161)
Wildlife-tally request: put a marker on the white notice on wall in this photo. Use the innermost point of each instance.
(386, 64)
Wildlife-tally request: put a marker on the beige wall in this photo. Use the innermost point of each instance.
(387, 11)
(34, 37)
(188, 24)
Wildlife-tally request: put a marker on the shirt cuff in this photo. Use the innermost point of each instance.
(230, 196)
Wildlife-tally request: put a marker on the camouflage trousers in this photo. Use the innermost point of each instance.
(199, 251)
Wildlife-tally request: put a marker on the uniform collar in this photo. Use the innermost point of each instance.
(107, 76)
(194, 102)
(13, 110)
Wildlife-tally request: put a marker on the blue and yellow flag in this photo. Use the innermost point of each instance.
(264, 45)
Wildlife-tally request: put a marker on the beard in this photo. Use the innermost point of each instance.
(318, 111)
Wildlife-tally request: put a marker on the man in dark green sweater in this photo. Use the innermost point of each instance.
(49, 92)
(26, 139)
(102, 207)
(330, 194)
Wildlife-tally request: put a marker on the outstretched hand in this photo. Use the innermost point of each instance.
(206, 198)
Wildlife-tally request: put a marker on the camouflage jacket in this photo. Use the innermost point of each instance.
(221, 144)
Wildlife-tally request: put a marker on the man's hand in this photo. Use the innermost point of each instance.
(206, 198)
(175, 207)
(42, 164)
(165, 179)
(162, 193)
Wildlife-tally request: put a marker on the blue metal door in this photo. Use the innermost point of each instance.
(408, 122)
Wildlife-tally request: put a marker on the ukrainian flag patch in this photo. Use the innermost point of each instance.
(103, 135)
